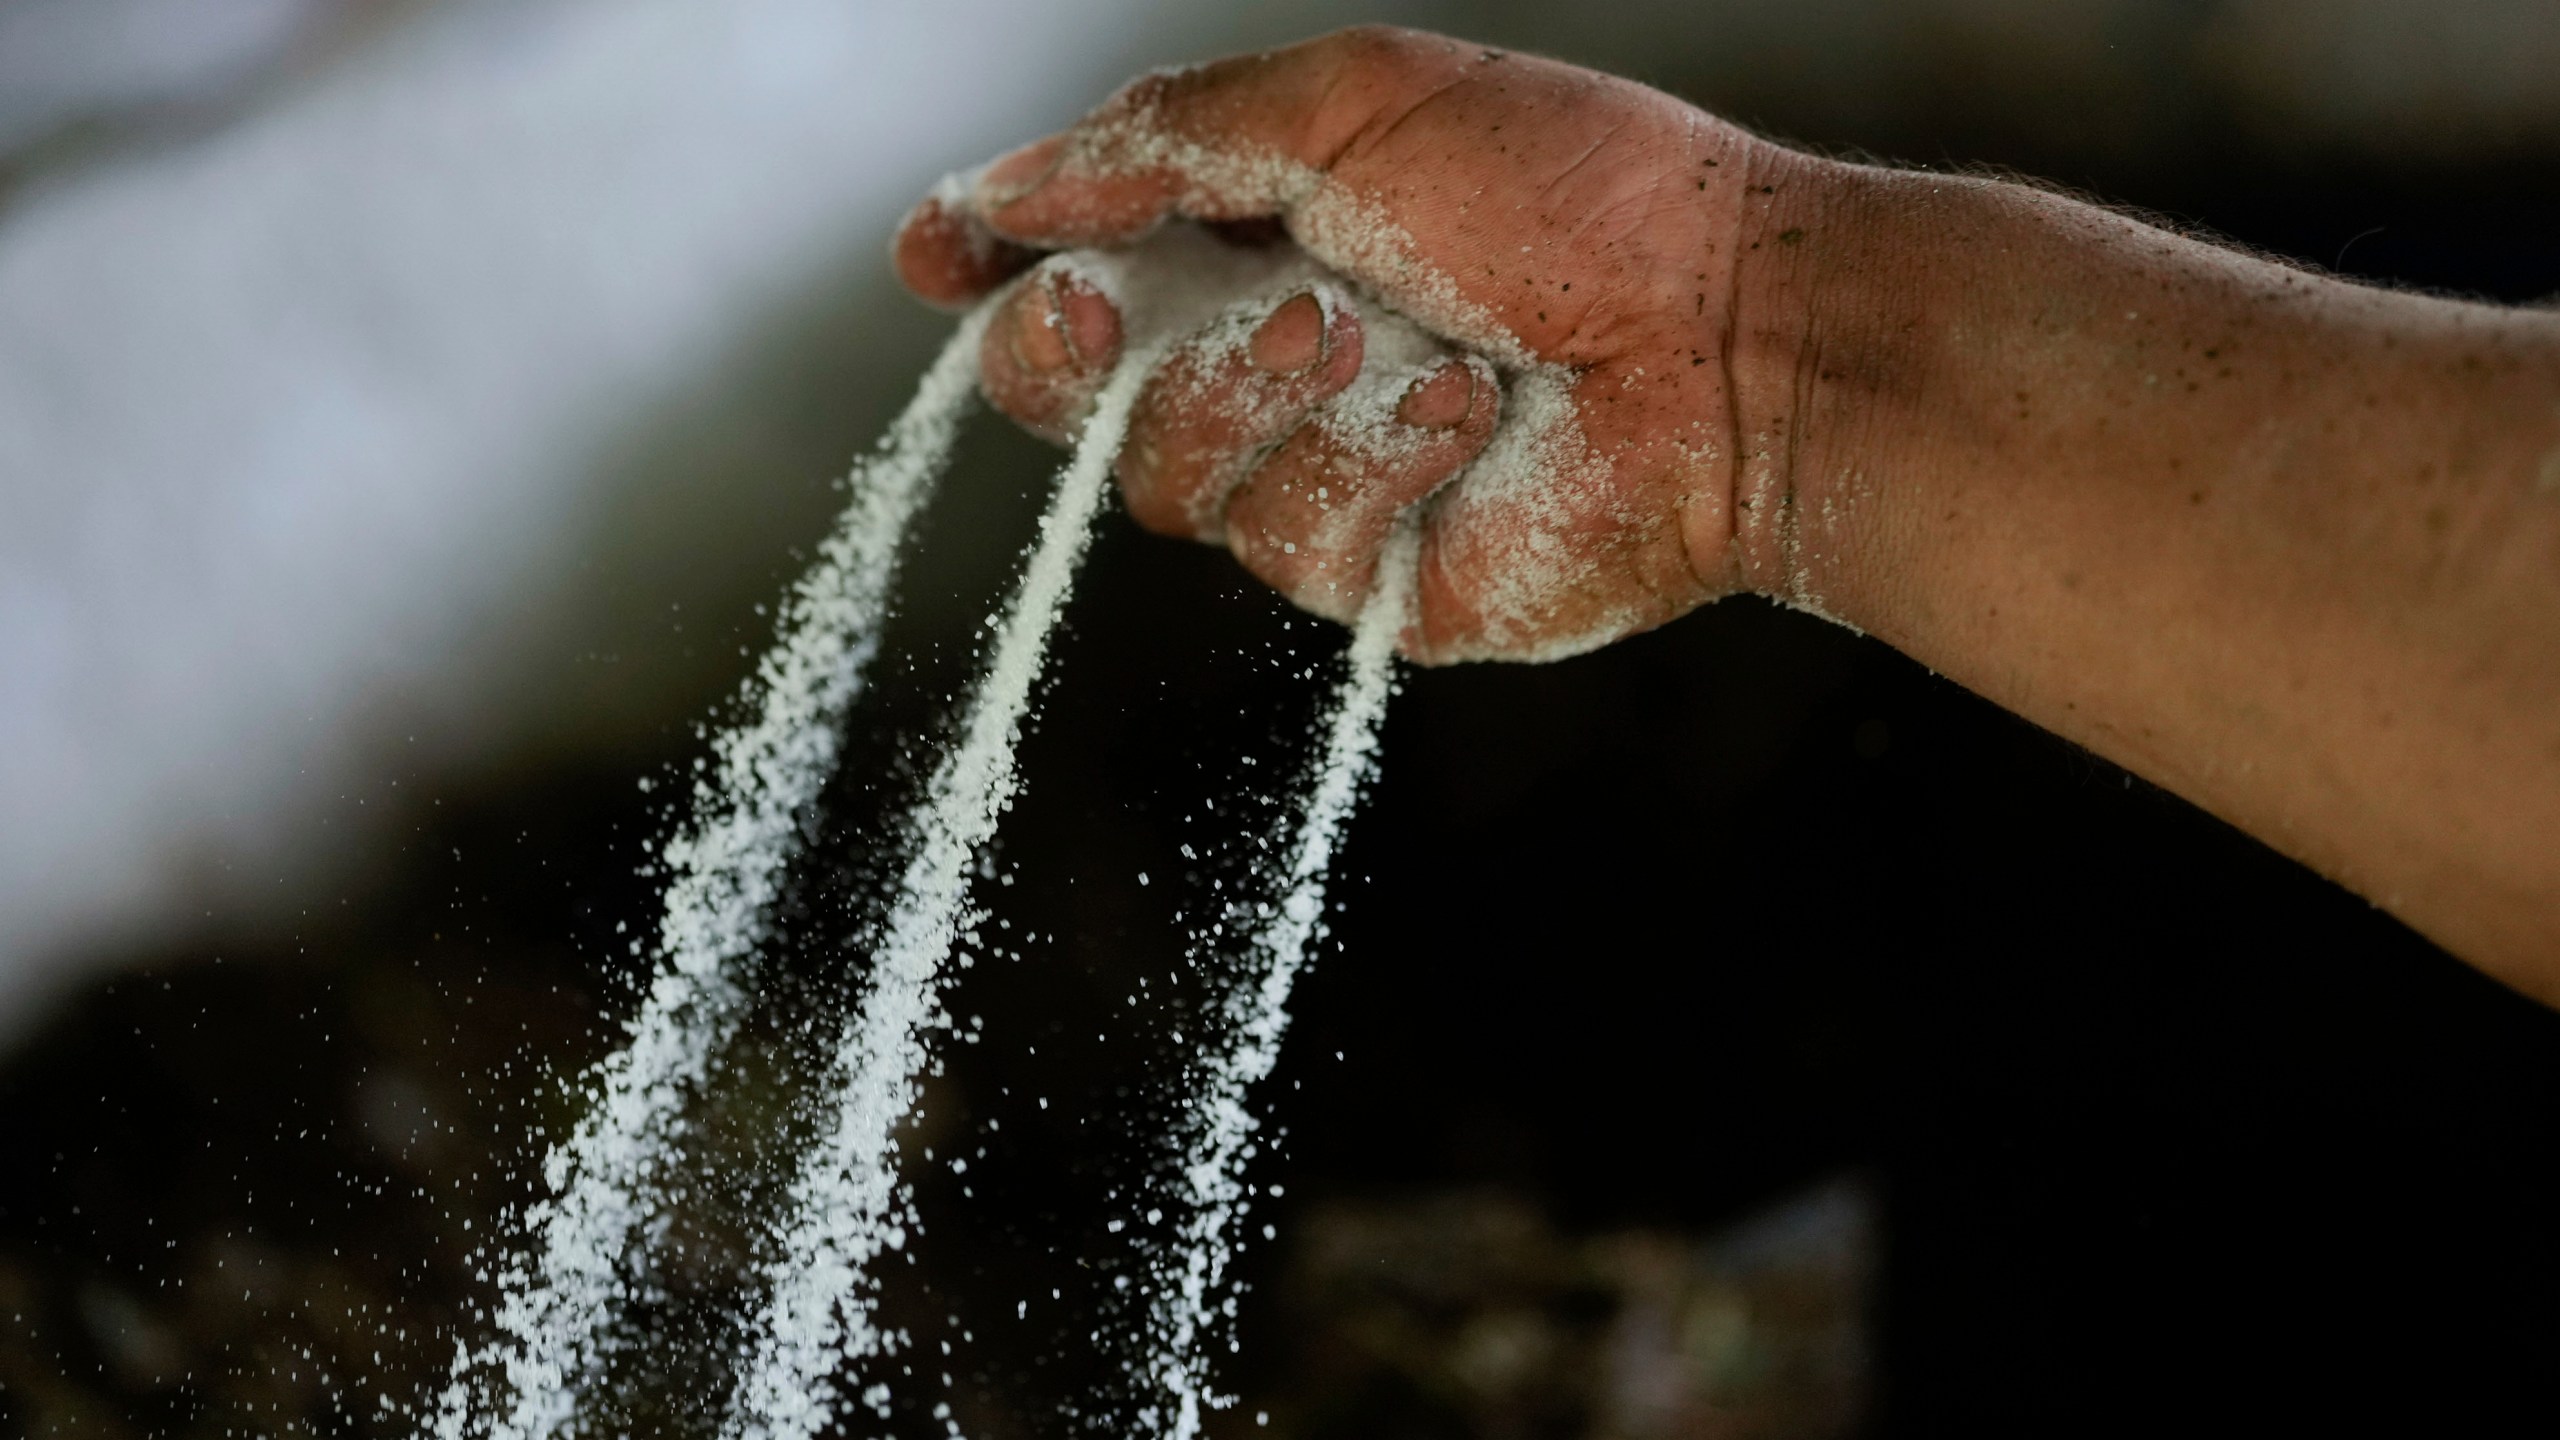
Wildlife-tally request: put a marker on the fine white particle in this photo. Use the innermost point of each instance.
(1189, 1276)
(558, 1301)
(845, 1203)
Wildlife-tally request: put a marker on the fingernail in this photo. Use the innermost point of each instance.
(1020, 173)
(1039, 340)
(1291, 338)
(1089, 321)
(1441, 400)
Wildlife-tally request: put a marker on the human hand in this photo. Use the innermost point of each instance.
(1579, 231)
(2277, 542)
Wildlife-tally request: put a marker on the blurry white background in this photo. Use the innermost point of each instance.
(306, 385)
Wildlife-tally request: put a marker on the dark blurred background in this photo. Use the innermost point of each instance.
(406, 406)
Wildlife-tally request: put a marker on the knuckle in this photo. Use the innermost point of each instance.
(1252, 546)
(1269, 559)
(1256, 525)
(928, 254)
(1141, 101)
(1144, 494)
(996, 377)
(1157, 515)
(1038, 403)
(1346, 347)
(1377, 59)
(1487, 398)
(1373, 43)
(1444, 623)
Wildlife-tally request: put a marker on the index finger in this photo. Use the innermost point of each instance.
(1234, 139)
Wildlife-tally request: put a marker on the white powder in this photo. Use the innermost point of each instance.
(1524, 509)
(1352, 235)
(846, 1206)
(1181, 280)
(557, 1305)
(1529, 497)
(1187, 1279)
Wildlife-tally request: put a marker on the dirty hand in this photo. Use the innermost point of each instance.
(1580, 231)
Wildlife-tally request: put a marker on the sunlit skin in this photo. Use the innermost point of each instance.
(2287, 546)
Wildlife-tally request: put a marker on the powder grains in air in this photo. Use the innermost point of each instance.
(846, 1206)
(558, 1302)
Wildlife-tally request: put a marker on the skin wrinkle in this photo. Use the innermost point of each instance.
(1363, 142)
(1435, 592)
(1368, 137)
(1606, 295)
(1641, 532)
(1688, 555)
(1737, 542)
(1789, 520)
(1768, 526)
(1644, 541)
(1061, 427)
(1579, 337)
(1616, 128)
(1333, 83)
(1310, 196)
(1359, 57)
(1791, 516)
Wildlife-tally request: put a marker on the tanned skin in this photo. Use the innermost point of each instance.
(2285, 545)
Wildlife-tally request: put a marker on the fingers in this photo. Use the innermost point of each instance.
(948, 257)
(1311, 518)
(1049, 349)
(1234, 139)
(1114, 176)
(1224, 398)
(1564, 537)
(1047, 194)
(1543, 537)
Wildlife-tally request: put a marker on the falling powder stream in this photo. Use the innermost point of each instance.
(1188, 1276)
(844, 1207)
(558, 1303)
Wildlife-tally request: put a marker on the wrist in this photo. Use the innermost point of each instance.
(1821, 346)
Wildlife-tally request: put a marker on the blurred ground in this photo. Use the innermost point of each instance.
(2148, 1125)
(1468, 1306)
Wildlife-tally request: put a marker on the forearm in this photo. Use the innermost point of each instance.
(2286, 546)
